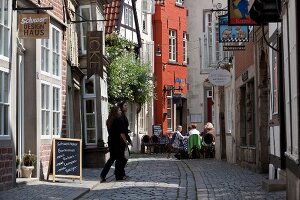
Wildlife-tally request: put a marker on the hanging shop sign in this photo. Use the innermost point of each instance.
(32, 25)
(232, 33)
(94, 53)
(219, 77)
(239, 13)
(234, 48)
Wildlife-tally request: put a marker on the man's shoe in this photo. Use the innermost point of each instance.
(102, 179)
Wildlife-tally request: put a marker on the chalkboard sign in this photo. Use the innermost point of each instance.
(157, 130)
(65, 158)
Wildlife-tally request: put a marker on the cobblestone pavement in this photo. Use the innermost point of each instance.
(155, 177)
(162, 178)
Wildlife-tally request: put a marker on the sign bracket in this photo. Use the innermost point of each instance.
(14, 7)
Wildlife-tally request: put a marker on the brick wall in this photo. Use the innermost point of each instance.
(6, 168)
(44, 159)
(244, 59)
(165, 18)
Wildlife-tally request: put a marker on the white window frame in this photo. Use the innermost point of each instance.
(83, 34)
(85, 121)
(179, 2)
(185, 43)
(212, 51)
(273, 90)
(51, 111)
(50, 49)
(172, 45)
(8, 134)
(169, 118)
(142, 118)
(56, 111)
(87, 97)
(8, 28)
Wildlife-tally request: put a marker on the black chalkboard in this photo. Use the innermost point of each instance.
(157, 130)
(65, 160)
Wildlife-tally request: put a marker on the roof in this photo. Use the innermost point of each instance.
(112, 12)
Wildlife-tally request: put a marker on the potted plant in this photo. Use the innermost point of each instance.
(17, 166)
(28, 165)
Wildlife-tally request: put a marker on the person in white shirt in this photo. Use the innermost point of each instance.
(194, 130)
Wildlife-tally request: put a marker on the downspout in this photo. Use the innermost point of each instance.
(297, 64)
(137, 51)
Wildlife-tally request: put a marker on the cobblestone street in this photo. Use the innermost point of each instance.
(162, 178)
(155, 177)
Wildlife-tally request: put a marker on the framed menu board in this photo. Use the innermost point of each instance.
(157, 130)
(66, 159)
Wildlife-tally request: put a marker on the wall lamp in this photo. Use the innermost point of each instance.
(158, 51)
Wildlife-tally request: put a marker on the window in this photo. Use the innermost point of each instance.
(51, 53)
(212, 50)
(5, 11)
(274, 92)
(85, 12)
(56, 111)
(247, 115)
(142, 116)
(179, 2)
(4, 103)
(169, 110)
(184, 47)
(90, 120)
(90, 128)
(128, 16)
(50, 110)
(144, 23)
(148, 6)
(172, 45)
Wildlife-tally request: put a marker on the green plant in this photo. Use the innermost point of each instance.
(29, 159)
(17, 161)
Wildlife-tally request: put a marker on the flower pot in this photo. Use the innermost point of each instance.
(27, 171)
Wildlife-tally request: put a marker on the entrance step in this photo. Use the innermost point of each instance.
(274, 185)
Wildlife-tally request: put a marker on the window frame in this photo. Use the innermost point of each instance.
(50, 54)
(172, 45)
(8, 26)
(169, 118)
(85, 120)
(51, 110)
(274, 80)
(83, 35)
(185, 46)
(6, 71)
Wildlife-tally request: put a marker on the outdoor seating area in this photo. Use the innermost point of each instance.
(154, 144)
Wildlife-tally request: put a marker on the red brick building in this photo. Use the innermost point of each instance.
(170, 38)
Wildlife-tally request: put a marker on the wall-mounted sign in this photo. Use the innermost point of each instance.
(196, 118)
(94, 53)
(219, 77)
(234, 48)
(239, 13)
(232, 33)
(34, 26)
